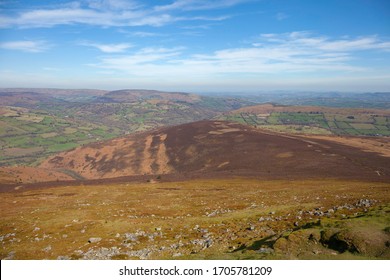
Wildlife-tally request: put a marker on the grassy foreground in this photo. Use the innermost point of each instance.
(215, 219)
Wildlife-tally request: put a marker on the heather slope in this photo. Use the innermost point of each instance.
(218, 148)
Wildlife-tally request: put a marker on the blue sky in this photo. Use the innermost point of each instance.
(188, 45)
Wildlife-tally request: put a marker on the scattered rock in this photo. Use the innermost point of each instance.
(101, 253)
(365, 202)
(130, 237)
(3, 237)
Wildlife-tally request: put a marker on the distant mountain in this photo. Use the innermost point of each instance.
(134, 95)
(217, 148)
(25, 99)
(271, 108)
(380, 100)
(35, 98)
(54, 91)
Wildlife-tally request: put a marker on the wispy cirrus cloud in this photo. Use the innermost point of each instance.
(305, 40)
(111, 4)
(70, 16)
(141, 57)
(26, 46)
(281, 54)
(108, 48)
(115, 13)
(193, 5)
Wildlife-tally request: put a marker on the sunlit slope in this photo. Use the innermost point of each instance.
(218, 148)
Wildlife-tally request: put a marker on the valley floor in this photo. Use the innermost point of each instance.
(199, 219)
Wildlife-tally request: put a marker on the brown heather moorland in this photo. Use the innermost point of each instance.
(205, 190)
(199, 219)
(221, 148)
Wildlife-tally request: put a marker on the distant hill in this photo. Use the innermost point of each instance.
(54, 91)
(134, 95)
(218, 148)
(270, 108)
(25, 99)
(380, 100)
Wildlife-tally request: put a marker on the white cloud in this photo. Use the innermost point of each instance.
(192, 5)
(305, 40)
(111, 13)
(272, 56)
(108, 48)
(142, 57)
(67, 16)
(26, 46)
(145, 34)
(112, 4)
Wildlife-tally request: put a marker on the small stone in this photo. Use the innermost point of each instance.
(175, 255)
(265, 250)
(47, 249)
(296, 224)
(94, 239)
(131, 237)
(250, 228)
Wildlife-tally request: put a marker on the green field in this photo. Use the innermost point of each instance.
(316, 122)
(29, 136)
